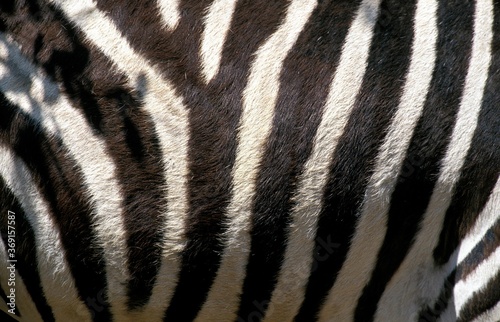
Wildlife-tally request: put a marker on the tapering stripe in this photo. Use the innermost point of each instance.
(55, 115)
(469, 298)
(450, 168)
(170, 124)
(214, 119)
(170, 12)
(481, 241)
(425, 151)
(481, 168)
(25, 251)
(61, 186)
(59, 287)
(259, 99)
(371, 228)
(216, 26)
(357, 146)
(305, 76)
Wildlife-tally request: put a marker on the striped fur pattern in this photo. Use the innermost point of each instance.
(236, 160)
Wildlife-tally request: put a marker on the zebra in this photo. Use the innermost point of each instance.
(235, 160)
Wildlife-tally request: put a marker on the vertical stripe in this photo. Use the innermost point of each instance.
(259, 99)
(305, 86)
(214, 124)
(170, 125)
(403, 288)
(25, 249)
(371, 228)
(482, 165)
(357, 146)
(216, 23)
(48, 108)
(59, 287)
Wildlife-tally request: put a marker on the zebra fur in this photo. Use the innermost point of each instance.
(292, 160)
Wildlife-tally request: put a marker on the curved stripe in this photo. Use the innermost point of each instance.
(59, 286)
(259, 99)
(216, 26)
(25, 249)
(404, 286)
(339, 96)
(371, 228)
(46, 106)
(170, 125)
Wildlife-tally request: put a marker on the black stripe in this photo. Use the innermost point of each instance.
(431, 313)
(6, 317)
(482, 165)
(25, 249)
(482, 300)
(212, 150)
(488, 244)
(352, 163)
(305, 78)
(60, 182)
(427, 147)
(112, 109)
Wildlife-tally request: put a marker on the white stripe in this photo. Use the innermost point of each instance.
(170, 13)
(487, 218)
(217, 24)
(287, 296)
(259, 99)
(371, 228)
(40, 98)
(489, 316)
(417, 276)
(170, 119)
(13, 286)
(55, 275)
(476, 281)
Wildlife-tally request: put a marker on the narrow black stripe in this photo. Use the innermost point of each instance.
(112, 109)
(352, 163)
(482, 300)
(61, 184)
(427, 147)
(482, 165)
(4, 297)
(488, 244)
(305, 78)
(25, 250)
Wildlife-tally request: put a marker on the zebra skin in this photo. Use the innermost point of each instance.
(237, 160)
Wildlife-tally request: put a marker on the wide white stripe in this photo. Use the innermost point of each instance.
(259, 99)
(288, 296)
(57, 281)
(170, 119)
(40, 98)
(170, 13)
(417, 276)
(13, 286)
(371, 228)
(217, 23)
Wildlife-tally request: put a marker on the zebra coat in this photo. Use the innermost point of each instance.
(237, 160)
